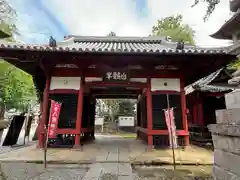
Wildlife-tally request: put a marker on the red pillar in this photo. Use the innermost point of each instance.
(184, 112)
(79, 115)
(149, 113)
(43, 119)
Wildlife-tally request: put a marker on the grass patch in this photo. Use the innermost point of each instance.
(127, 135)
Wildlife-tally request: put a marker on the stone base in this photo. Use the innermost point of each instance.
(228, 116)
(232, 99)
(226, 140)
(225, 129)
(227, 161)
(222, 174)
(227, 143)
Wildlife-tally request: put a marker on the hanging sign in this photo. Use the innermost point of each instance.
(116, 76)
(53, 118)
(169, 118)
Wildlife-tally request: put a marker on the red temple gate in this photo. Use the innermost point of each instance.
(81, 69)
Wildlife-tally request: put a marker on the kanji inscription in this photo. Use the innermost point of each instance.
(116, 76)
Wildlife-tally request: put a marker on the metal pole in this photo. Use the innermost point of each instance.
(173, 152)
(26, 123)
(45, 147)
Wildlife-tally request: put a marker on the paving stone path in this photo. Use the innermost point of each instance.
(110, 157)
(112, 163)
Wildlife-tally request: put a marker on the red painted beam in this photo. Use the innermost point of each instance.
(114, 84)
(63, 91)
(98, 73)
(72, 131)
(165, 132)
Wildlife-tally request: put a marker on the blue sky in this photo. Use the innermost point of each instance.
(39, 19)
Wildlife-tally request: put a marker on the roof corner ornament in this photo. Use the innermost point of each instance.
(180, 45)
(52, 42)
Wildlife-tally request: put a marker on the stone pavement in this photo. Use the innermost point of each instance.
(29, 171)
(111, 149)
(118, 171)
(109, 157)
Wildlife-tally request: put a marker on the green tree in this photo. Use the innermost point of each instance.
(126, 108)
(211, 5)
(16, 86)
(173, 27)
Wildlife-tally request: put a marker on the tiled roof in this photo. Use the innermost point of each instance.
(211, 88)
(227, 29)
(116, 45)
(204, 84)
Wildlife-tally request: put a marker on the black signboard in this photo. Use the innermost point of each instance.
(115, 75)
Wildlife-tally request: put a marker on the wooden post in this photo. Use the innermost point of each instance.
(79, 115)
(44, 117)
(184, 111)
(149, 114)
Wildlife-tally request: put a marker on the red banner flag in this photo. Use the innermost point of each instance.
(53, 118)
(169, 118)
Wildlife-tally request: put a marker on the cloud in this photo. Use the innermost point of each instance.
(95, 17)
(34, 23)
(128, 17)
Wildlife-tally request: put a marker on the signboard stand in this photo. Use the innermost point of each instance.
(171, 133)
(52, 126)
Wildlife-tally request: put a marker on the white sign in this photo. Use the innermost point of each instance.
(99, 121)
(165, 84)
(65, 83)
(126, 121)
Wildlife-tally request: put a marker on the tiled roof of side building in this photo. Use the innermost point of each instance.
(228, 28)
(159, 45)
(204, 84)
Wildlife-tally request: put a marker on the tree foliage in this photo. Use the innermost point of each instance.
(7, 19)
(16, 86)
(173, 27)
(115, 107)
(126, 108)
(211, 5)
